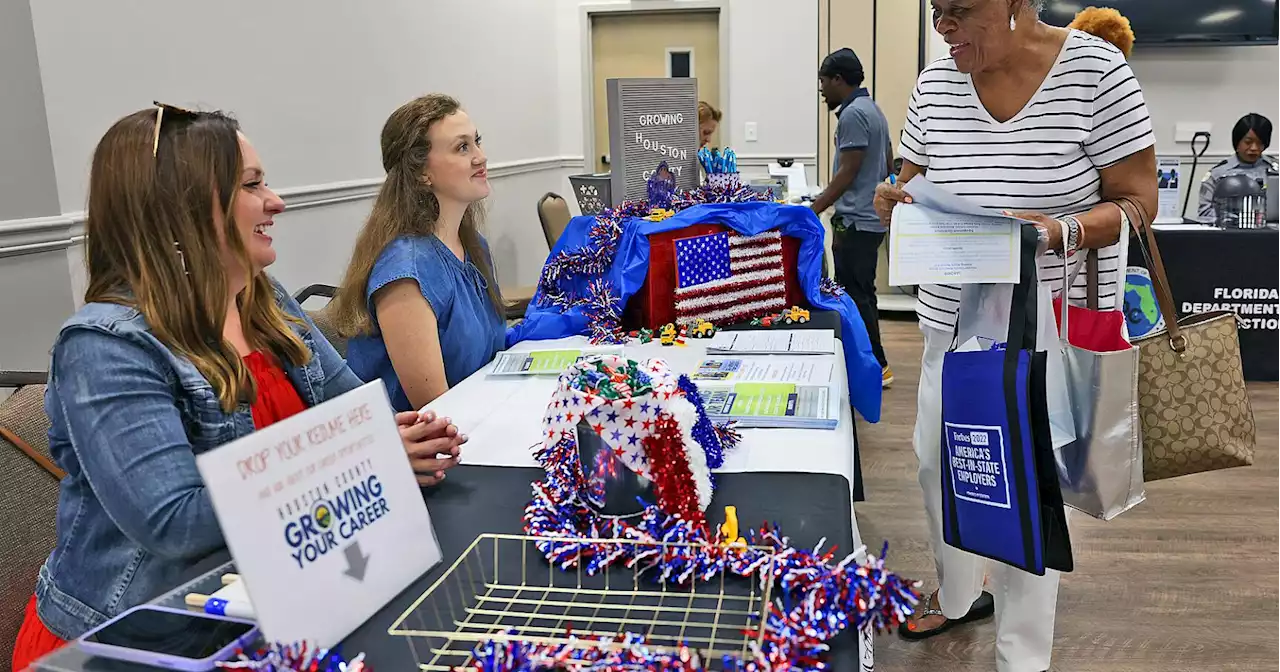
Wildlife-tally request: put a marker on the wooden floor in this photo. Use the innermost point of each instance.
(1185, 581)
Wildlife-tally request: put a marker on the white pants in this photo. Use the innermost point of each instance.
(1025, 603)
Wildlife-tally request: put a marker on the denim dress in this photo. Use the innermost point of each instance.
(471, 329)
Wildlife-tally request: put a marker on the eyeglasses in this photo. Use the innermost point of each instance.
(160, 110)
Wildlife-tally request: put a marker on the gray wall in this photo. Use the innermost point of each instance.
(35, 286)
(27, 184)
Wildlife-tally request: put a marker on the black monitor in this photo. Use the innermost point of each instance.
(1186, 22)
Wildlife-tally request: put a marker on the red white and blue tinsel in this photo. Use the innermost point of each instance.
(831, 288)
(822, 594)
(294, 658)
(590, 261)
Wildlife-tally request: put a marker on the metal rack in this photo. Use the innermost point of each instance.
(503, 589)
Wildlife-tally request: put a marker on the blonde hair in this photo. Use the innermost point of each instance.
(1108, 24)
(708, 113)
(151, 243)
(405, 206)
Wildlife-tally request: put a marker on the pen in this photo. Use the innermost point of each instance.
(220, 607)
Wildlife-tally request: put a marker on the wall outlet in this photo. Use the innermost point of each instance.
(751, 133)
(1184, 131)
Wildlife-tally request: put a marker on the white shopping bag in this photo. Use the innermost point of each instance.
(984, 314)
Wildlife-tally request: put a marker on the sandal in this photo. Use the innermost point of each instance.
(983, 607)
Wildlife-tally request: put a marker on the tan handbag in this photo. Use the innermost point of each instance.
(1192, 399)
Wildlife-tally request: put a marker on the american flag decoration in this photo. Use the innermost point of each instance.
(727, 277)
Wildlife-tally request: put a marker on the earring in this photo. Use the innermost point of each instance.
(1013, 23)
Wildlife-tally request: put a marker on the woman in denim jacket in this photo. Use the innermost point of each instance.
(420, 301)
(184, 344)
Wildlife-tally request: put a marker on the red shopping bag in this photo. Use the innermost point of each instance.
(1093, 330)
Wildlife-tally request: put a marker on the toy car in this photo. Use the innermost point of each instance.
(795, 315)
(667, 335)
(703, 329)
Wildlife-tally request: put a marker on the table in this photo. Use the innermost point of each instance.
(490, 499)
(802, 479)
(1227, 269)
(502, 416)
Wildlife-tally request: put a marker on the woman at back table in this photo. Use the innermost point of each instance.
(184, 344)
(420, 300)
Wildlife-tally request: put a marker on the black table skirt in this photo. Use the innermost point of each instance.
(475, 500)
(1211, 267)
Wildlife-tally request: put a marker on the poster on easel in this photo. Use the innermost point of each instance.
(1169, 179)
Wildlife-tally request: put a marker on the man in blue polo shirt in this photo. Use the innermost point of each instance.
(864, 157)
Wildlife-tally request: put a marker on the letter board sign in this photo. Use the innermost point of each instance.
(651, 121)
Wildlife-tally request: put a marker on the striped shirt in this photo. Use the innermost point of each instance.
(1088, 114)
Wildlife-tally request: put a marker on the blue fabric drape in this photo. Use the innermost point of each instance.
(631, 263)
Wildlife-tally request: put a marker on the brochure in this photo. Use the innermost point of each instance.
(776, 405)
(774, 342)
(767, 369)
(542, 362)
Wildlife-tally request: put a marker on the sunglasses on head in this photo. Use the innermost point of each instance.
(173, 110)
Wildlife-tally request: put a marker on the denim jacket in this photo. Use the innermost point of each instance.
(129, 417)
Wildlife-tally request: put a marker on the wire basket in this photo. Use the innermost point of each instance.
(503, 589)
(593, 191)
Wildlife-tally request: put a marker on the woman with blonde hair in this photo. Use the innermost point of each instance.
(184, 344)
(420, 300)
(708, 121)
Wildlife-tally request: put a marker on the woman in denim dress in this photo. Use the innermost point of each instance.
(420, 300)
(184, 344)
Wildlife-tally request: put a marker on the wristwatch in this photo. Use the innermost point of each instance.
(1071, 234)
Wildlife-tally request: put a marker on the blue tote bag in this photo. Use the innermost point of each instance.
(1001, 497)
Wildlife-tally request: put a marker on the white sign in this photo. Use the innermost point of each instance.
(1169, 178)
(323, 516)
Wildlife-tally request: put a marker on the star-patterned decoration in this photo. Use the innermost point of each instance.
(623, 424)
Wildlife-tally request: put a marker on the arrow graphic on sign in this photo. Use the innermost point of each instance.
(357, 562)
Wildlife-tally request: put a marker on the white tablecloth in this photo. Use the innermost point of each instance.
(502, 416)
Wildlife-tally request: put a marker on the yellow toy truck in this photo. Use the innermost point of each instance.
(795, 315)
(703, 329)
(667, 335)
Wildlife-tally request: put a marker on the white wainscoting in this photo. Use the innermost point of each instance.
(40, 234)
(42, 259)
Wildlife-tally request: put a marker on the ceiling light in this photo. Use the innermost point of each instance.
(1222, 16)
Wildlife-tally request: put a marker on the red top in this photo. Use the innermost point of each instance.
(277, 398)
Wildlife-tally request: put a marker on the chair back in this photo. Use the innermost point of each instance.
(28, 506)
(553, 212)
(324, 322)
(322, 317)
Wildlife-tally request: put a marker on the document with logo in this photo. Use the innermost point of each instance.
(810, 370)
(542, 362)
(322, 509)
(941, 238)
(777, 405)
(774, 342)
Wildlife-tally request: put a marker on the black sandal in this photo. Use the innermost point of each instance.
(983, 607)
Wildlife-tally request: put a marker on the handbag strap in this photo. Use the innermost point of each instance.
(44, 462)
(1146, 237)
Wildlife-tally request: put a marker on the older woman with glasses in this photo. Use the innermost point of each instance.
(1048, 123)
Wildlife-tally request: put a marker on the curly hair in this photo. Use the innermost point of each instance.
(1108, 24)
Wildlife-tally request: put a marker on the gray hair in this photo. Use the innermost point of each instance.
(1036, 6)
